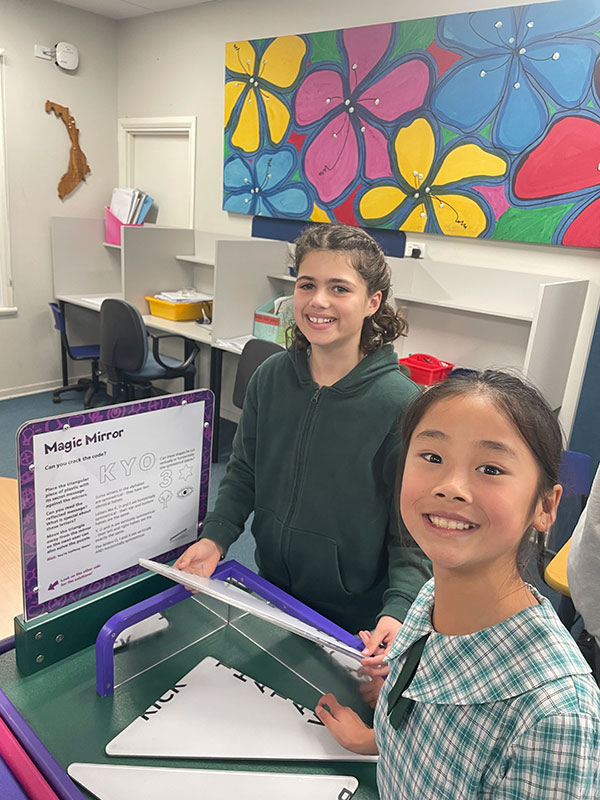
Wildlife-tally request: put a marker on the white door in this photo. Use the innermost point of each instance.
(157, 155)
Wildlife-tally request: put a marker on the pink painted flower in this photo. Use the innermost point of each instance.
(347, 106)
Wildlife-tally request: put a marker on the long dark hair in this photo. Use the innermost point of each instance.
(522, 404)
(368, 259)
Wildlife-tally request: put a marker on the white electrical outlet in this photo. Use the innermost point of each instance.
(43, 51)
(414, 250)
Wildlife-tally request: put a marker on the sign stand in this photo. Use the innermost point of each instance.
(98, 490)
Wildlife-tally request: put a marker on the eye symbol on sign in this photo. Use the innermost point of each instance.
(187, 490)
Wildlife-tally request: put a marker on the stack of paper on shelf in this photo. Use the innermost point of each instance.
(130, 206)
(183, 296)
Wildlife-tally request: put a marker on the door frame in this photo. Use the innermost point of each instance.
(130, 127)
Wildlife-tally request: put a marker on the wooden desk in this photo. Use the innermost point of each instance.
(555, 574)
(11, 596)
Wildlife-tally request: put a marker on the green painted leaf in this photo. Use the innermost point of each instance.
(530, 224)
(324, 47)
(448, 135)
(415, 34)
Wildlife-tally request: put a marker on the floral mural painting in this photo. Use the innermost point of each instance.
(346, 107)
(255, 94)
(482, 124)
(432, 190)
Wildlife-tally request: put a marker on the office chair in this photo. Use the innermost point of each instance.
(83, 352)
(124, 352)
(254, 353)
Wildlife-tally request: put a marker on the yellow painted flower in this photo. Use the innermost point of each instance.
(319, 214)
(433, 191)
(255, 89)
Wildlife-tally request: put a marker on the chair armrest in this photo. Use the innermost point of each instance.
(156, 342)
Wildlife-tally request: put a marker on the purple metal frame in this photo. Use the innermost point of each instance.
(54, 774)
(25, 437)
(7, 644)
(105, 674)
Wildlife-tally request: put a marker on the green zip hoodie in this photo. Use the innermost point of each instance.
(317, 466)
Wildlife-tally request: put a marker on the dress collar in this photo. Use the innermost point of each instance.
(519, 654)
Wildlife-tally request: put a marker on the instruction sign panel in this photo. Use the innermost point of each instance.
(113, 490)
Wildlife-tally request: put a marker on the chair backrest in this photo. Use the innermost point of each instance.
(123, 337)
(254, 353)
(575, 474)
(59, 318)
(60, 325)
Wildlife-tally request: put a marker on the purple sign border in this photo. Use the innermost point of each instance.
(25, 436)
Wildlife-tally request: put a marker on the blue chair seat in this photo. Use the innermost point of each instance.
(79, 352)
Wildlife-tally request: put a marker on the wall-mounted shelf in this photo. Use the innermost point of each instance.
(113, 246)
(477, 317)
(482, 291)
(206, 261)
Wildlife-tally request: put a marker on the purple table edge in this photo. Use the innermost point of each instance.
(54, 774)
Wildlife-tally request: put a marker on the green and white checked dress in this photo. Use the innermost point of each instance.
(508, 713)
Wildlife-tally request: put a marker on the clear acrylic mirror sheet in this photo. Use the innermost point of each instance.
(205, 626)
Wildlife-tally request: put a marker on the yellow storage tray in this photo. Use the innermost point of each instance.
(179, 311)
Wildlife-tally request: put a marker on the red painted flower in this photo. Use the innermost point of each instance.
(565, 167)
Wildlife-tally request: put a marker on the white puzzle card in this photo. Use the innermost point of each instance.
(109, 782)
(238, 598)
(141, 630)
(218, 712)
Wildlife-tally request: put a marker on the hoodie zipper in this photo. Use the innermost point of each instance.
(299, 466)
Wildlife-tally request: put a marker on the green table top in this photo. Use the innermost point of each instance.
(75, 724)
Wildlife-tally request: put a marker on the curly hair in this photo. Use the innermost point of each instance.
(367, 258)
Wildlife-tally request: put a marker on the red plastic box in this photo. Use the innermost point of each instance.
(425, 369)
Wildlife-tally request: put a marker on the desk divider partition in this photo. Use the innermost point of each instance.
(469, 315)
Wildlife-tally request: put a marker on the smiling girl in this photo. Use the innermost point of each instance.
(487, 695)
(316, 449)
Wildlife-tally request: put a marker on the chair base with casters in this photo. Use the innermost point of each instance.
(84, 352)
(125, 355)
(87, 385)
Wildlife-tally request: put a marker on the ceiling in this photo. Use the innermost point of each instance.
(123, 9)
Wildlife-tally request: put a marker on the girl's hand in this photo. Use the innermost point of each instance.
(369, 690)
(346, 727)
(201, 558)
(377, 646)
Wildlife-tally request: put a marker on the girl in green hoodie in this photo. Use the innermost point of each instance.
(316, 449)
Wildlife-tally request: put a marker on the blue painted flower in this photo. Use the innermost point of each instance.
(514, 62)
(262, 186)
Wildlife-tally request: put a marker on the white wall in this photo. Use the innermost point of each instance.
(169, 64)
(173, 63)
(37, 156)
